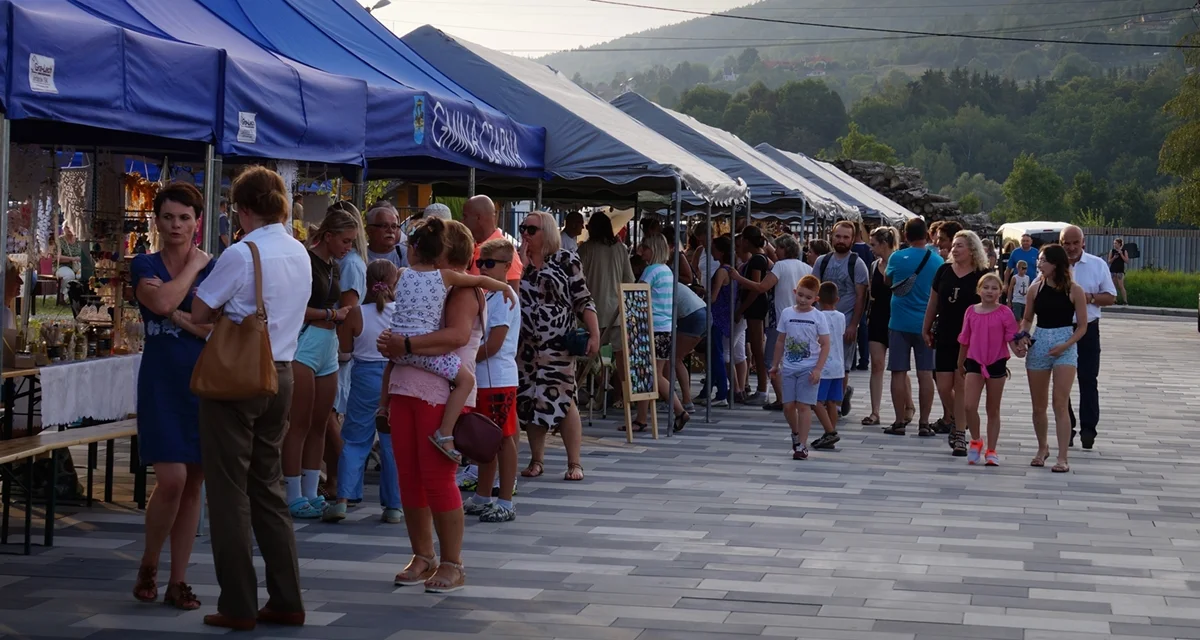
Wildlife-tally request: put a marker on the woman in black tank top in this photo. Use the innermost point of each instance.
(883, 243)
(1060, 308)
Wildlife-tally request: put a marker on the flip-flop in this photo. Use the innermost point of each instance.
(681, 421)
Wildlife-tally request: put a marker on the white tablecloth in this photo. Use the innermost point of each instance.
(103, 389)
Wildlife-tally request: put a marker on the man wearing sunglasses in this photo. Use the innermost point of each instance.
(383, 236)
(479, 214)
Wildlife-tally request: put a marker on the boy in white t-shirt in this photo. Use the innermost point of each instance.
(800, 355)
(833, 377)
(496, 378)
(1017, 286)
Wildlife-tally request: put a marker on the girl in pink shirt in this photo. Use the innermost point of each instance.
(989, 330)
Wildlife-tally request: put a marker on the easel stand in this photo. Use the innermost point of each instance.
(640, 382)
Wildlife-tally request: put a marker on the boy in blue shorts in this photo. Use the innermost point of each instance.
(833, 376)
(800, 356)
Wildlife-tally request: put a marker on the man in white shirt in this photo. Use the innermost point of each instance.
(1092, 275)
(572, 227)
(383, 237)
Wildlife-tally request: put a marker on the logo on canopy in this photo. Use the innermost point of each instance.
(419, 119)
(247, 127)
(41, 74)
(464, 132)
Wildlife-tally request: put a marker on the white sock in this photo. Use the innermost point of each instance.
(478, 499)
(293, 488)
(309, 479)
(507, 504)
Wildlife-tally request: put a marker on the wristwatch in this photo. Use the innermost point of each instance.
(1091, 299)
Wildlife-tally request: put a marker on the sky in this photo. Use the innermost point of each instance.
(536, 27)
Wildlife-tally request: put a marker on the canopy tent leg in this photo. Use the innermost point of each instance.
(674, 306)
(708, 319)
(358, 191)
(538, 203)
(471, 182)
(5, 134)
(212, 200)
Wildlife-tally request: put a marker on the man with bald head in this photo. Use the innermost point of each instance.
(1091, 274)
(479, 214)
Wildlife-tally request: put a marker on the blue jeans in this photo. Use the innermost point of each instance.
(358, 435)
(716, 366)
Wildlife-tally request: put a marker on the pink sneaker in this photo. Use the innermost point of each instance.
(993, 460)
(975, 452)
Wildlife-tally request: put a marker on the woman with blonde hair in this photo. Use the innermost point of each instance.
(554, 297)
(955, 289)
(653, 249)
(316, 365)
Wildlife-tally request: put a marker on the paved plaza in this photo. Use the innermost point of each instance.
(718, 534)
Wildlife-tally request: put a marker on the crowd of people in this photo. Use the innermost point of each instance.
(383, 335)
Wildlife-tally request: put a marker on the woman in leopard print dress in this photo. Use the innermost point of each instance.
(553, 295)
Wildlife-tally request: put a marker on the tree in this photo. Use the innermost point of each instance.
(747, 59)
(667, 96)
(759, 128)
(1033, 192)
(970, 204)
(989, 192)
(1180, 155)
(1073, 65)
(813, 107)
(856, 145)
(937, 167)
(1087, 194)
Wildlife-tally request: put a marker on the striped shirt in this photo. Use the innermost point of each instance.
(662, 291)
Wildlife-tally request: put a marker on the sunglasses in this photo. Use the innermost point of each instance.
(392, 227)
(490, 263)
(529, 229)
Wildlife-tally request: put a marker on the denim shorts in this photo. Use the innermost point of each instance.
(693, 324)
(831, 390)
(797, 388)
(1039, 358)
(318, 350)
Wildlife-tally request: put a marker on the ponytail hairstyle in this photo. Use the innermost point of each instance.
(381, 283)
(753, 236)
(427, 240)
(885, 235)
(337, 221)
(360, 239)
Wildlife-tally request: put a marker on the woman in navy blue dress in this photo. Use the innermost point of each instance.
(168, 422)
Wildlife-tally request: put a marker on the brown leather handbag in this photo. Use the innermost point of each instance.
(236, 363)
(476, 436)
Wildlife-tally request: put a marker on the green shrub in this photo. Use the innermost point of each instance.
(1156, 288)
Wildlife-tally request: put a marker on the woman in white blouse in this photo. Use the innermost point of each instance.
(240, 441)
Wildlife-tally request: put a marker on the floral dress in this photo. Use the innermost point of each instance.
(552, 298)
(167, 412)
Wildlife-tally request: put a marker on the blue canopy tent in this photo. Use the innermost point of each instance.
(771, 186)
(593, 151)
(868, 200)
(270, 107)
(412, 109)
(73, 78)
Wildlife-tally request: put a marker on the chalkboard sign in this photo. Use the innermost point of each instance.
(637, 334)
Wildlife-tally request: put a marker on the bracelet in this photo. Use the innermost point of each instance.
(407, 345)
(328, 315)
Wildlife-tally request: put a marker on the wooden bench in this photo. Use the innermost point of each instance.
(28, 448)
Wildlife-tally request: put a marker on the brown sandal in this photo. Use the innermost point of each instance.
(180, 596)
(1039, 460)
(439, 584)
(534, 470)
(409, 578)
(572, 469)
(146, 587)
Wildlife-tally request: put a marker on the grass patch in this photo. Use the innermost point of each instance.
(1165, 289)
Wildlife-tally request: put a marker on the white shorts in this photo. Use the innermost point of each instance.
(739, 343)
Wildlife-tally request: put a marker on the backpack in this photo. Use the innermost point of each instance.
(824, 260)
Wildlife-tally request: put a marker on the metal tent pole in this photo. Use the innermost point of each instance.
(358, 191)
(212, 190)
(708, 319)
(471, 182)
(5, 133)
(732, 366)
(539, 195)
(674, 306)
